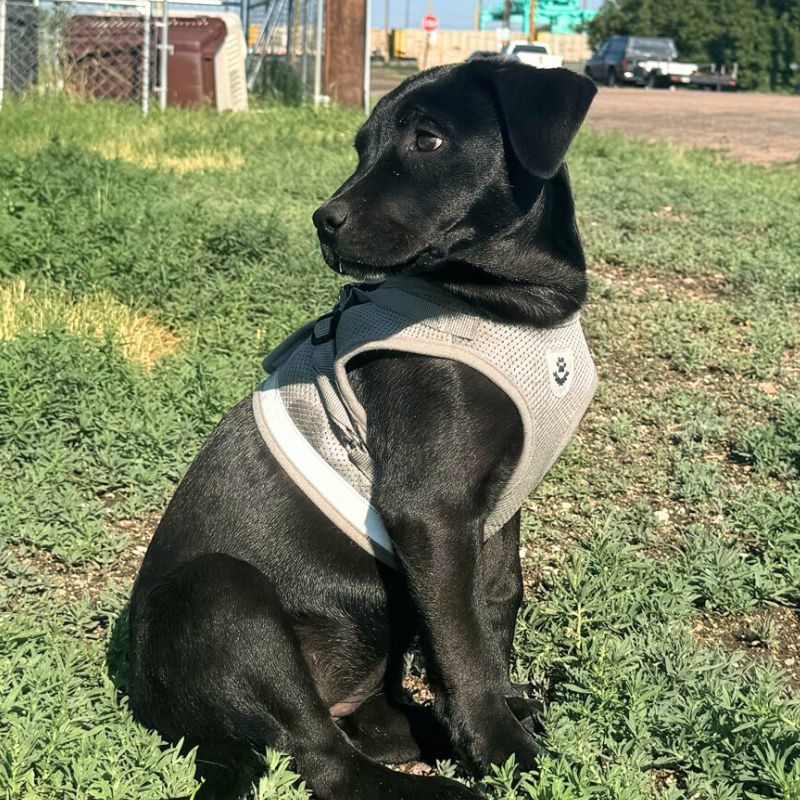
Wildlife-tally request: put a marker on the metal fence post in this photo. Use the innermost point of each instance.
(3, 12)
(318, 53)
(146, 12)
(304, 51)
(164, 55)
(290, 32)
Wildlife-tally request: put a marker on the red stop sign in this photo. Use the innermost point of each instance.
(430, 23)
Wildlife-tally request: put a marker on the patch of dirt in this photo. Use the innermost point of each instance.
(414, 768)
(75, 582)
(140, 532)
(758, 128)
(772, 631)
(667, 286)
(385, 78)
(415, 680)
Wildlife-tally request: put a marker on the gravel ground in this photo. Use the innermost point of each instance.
(760, 128)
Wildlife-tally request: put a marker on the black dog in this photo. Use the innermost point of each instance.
(254, 621)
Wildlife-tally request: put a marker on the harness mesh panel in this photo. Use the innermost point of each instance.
(410, 315)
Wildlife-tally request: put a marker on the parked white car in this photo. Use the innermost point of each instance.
(535, 54)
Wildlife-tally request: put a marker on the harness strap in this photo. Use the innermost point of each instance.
(279, 354)
(323, 356)
(429, 306)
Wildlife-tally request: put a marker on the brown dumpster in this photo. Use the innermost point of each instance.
(103, 56)
(194, 42)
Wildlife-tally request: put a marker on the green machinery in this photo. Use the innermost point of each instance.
(556, 16)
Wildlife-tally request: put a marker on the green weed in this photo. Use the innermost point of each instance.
(774, 448)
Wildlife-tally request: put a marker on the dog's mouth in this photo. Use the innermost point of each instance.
(373, 273)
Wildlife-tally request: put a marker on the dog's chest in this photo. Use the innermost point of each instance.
(312, 421)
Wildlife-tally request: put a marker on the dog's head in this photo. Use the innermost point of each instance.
(461, 178)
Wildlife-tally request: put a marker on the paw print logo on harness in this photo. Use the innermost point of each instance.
(561, 371)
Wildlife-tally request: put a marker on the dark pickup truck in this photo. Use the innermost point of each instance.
(652, 62)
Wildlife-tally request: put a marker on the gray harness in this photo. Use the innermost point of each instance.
(316, 428)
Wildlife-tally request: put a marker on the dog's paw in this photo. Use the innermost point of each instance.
(414, 788)
(517, 742)
(501, 738)
(528, 713)
(363, 779)
(445, 789)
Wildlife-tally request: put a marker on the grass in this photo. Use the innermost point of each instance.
(147, 265)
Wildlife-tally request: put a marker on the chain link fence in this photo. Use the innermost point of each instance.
(285, 48)
(82, 49)
(129, 50)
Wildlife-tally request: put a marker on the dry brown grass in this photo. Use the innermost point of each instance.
(147, 152)
(95, 315)
(144, 147)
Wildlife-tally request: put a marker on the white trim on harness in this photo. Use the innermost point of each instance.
(354, 508)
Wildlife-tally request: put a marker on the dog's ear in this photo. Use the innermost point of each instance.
(542, 110)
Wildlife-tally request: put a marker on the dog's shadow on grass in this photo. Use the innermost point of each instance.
(118, 662)
(118, 651)
(225, 772)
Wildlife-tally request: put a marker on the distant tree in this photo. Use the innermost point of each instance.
(761, 36)
(743, 37)
(614, 17)
(785, 36)
(688, 22)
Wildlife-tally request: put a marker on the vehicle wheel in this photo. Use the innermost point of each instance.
(652, 81)
(611, 78)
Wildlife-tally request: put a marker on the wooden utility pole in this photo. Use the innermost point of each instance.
(532, 21)
(345, 51)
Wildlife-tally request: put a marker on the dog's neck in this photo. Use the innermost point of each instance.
(536, 304)
(531, 271)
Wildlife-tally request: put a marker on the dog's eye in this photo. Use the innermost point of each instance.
(428, 142)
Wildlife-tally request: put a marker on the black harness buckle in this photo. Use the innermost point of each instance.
(325, 328)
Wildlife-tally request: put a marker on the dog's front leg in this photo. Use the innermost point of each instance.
(468, 671)
(443, 438)
(503, 590)
(502, 583)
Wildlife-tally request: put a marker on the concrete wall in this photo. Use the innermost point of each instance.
(449, 47)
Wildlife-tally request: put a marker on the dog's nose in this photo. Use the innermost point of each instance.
(330, 217)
